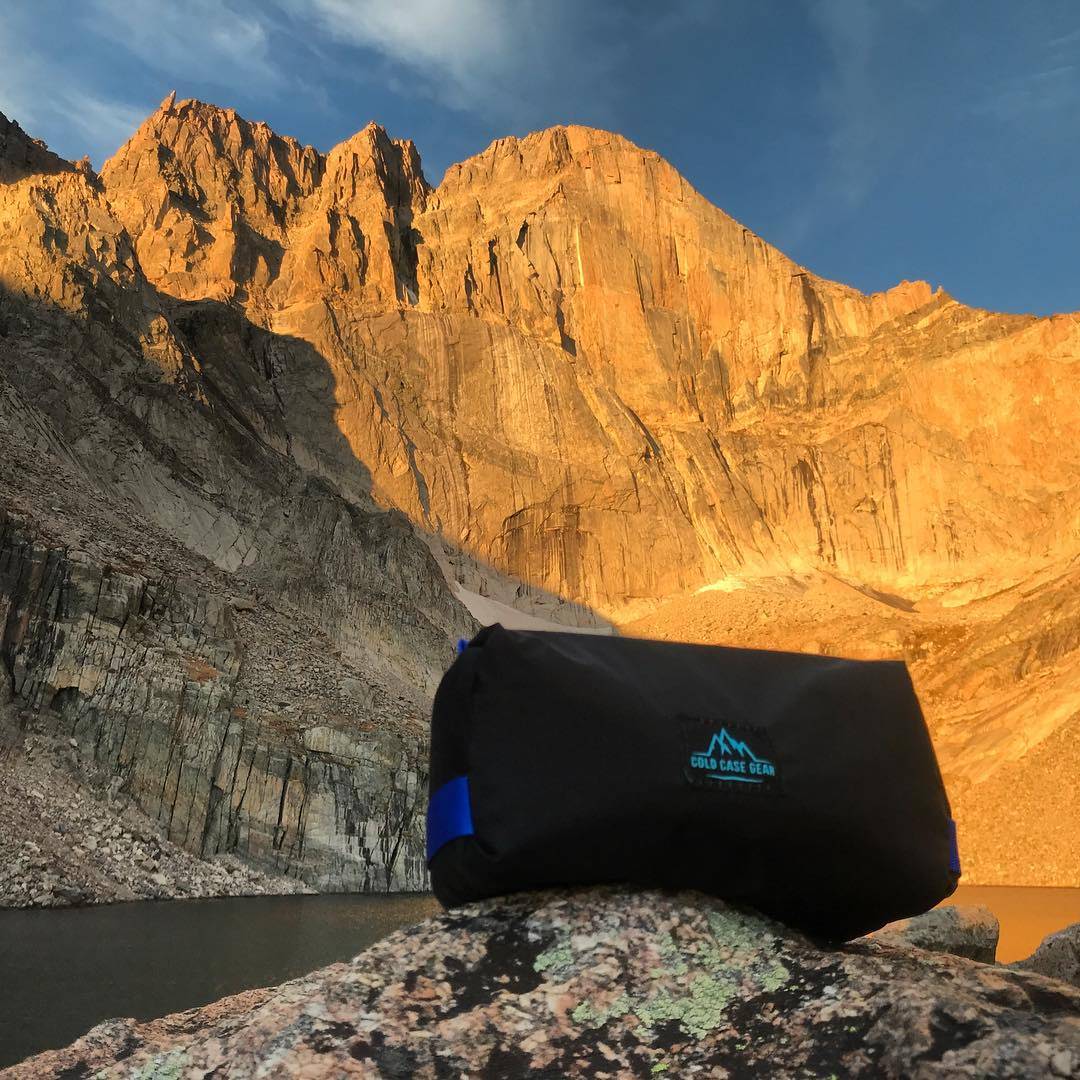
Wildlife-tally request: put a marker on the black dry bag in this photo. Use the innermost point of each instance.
(803, 786)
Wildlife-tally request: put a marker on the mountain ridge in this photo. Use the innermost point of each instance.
(589, 391)
(493, 148)
(559, 140)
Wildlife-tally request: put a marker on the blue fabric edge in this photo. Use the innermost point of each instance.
(449, 814)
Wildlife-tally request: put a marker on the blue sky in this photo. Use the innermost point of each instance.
(871, 140)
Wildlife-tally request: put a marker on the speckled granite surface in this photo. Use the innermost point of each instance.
(609, 982)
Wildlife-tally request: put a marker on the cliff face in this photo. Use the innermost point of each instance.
(159, 681)
(245, 648)
(581, 381)
(599, 347)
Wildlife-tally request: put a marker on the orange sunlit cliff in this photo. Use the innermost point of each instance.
(577, 379)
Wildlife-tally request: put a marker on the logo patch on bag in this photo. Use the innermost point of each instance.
(731, 756)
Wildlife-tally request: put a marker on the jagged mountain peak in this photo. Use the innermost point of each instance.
(393, 163)
(372, 133)
(551, 151)
(22, 155)
(195, 110)
(195, 133)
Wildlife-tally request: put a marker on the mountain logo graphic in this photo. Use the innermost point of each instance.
(728, 759)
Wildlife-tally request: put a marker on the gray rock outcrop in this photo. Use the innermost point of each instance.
(1058, 956)
(69, 835)
(962, 931)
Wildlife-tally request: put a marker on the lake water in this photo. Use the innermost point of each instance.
(63, 971)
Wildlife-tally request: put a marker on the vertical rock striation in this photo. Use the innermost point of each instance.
(145, 671)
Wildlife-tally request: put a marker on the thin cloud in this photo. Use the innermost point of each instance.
(212, 41)
(1035, 97)
(857, 95)
(102, 119)
(466, 43)
(1064, 39)
(868, 118)
(43, 97)
(850, 94)
(516, 63)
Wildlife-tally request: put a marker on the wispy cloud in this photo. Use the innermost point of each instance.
(105, 119)
(212, 41)
(849, 104)
(1060, 40)
(512, 62)
(43, 97)
(1034, 97)
(466, 46)
(850, 94)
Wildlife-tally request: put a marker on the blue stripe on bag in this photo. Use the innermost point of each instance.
(449, 814)
(954, 849)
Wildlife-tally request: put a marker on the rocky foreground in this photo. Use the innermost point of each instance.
(608, 982)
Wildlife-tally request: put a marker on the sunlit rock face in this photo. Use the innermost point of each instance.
(582, 377)
(638, 394)
(571, 366)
